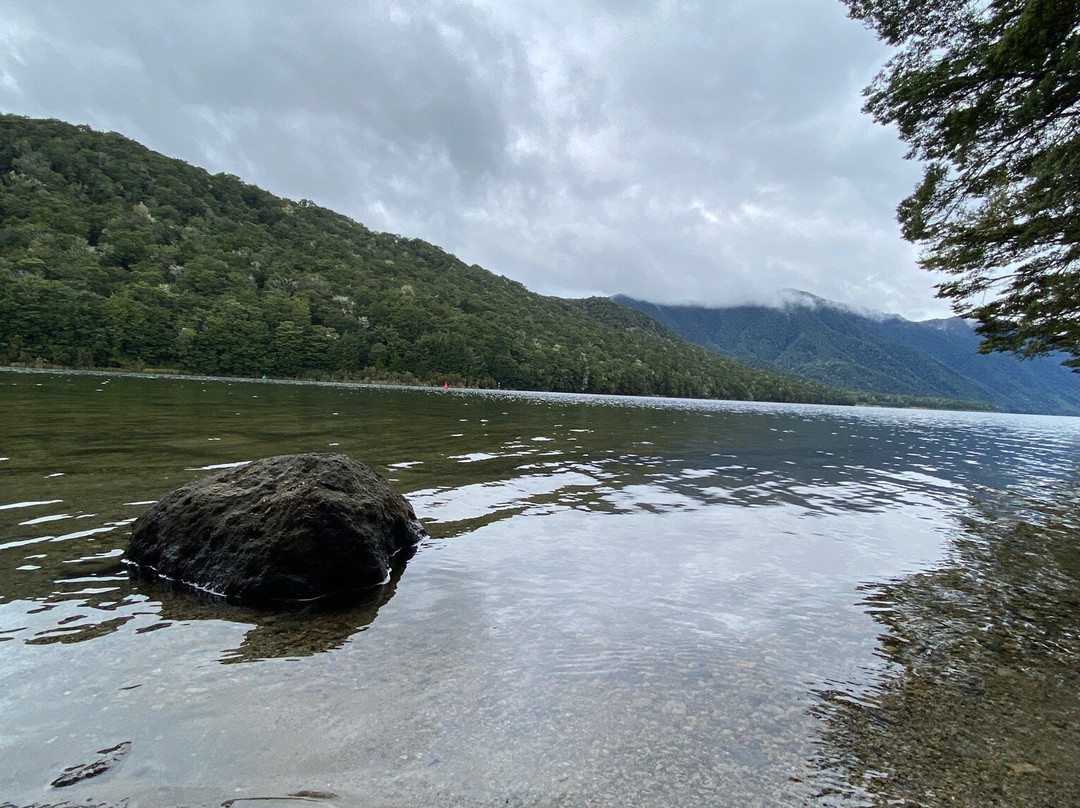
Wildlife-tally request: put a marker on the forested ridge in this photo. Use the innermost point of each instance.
(825, 342)
(112, 255)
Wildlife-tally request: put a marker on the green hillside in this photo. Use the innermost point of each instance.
(817, 340)
(112, 255)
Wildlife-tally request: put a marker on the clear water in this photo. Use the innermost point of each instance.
(623, 602)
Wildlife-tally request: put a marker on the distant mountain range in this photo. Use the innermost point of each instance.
(819, 340)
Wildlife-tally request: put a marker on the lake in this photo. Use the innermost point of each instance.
(622, 602)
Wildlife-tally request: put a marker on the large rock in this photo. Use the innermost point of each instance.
(278, 531)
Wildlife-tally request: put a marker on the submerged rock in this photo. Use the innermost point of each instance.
(107, 759)
(277, 531)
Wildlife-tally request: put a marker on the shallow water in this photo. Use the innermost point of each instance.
(623, 602)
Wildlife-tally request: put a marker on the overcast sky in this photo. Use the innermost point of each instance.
(710, 152)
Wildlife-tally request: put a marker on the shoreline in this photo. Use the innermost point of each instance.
(164, 373)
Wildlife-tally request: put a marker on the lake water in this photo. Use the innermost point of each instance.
(622, 603)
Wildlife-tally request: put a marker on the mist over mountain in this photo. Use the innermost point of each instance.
(819, 340)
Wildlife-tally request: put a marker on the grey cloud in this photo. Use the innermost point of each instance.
(400, 82)
(692, 151)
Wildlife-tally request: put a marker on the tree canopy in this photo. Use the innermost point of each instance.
(987, 95)
(114, 256)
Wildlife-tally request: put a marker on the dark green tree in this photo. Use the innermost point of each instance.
(987, 95)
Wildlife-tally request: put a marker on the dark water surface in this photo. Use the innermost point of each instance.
(646, 603)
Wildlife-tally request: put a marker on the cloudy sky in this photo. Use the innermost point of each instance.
(679, 151)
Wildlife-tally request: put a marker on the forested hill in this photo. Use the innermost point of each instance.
(819, 340)
(112, 255)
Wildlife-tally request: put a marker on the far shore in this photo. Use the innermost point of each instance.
(408, 381)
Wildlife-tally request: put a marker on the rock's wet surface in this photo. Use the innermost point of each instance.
(279, 531)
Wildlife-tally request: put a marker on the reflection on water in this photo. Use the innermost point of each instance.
(982, 703)
(277, 634)
(623, 602)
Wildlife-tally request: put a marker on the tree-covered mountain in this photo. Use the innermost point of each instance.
(817, 340)
(112, 255)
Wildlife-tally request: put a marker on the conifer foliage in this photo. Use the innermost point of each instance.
(987, 95)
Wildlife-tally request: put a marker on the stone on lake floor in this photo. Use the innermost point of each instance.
(279, 531)
(106, 760)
